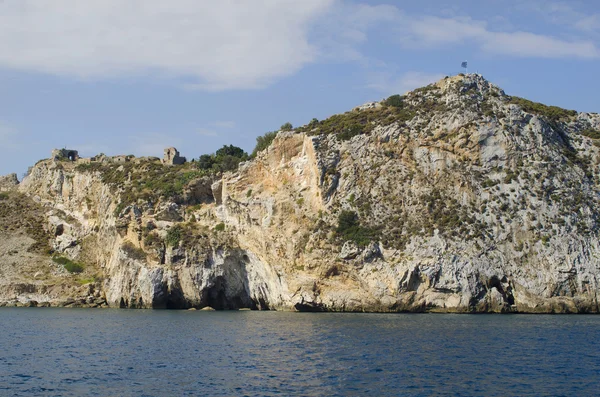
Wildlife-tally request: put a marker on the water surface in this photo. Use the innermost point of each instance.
(81, 352)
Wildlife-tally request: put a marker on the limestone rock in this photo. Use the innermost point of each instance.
(466, 200)
(349, 250)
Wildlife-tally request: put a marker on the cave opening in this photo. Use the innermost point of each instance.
(176, 299)
(507, 295)
(217, 297)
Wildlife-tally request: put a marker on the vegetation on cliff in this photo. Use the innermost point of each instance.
(355, 122)
(68, 264)
(150, 180)
(552, 113)
(349, 228)
(19, 212)
(451, 197)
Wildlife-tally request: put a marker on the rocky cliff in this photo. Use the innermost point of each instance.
(454, 197)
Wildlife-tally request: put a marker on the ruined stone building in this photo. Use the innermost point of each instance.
(65, 154)
(172, 157)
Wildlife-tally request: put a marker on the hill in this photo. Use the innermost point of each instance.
(454, 197)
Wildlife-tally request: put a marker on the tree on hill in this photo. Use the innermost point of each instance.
(205, 162)
(225, 159)
(229, 150)
(263, 142)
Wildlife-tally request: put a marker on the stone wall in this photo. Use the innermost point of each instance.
(172, 157)
(65, 154)
(8, 182)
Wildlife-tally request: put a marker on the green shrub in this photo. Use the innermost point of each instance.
(152, 239)
(229, 151)
(205, 162)
(133, 252)
(287, 127)
(510, 176)
(394, 101)
(174, 236)
(426, 89)
(87, 280)
(552, 113)
(3, 196)
(350, 132)
(347, 220)
(227, 163)
(69, 265)
(590, 133)
(150, 180)
(263, 142)
(352, 123)
(89, 167)
(228, 158)
(489, 183)
(219, 227)
(349, 228)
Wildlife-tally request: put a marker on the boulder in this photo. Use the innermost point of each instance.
(349, 250)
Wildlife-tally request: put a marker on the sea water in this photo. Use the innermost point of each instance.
(95, 352)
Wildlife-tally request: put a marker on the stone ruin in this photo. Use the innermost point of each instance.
(172, 157)
(368, 106)
(65, 154)
(8, 182)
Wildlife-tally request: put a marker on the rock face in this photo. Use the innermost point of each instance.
(455, 198)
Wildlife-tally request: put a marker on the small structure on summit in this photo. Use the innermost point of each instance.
(172, 157)
(65, 154)
(8, 182)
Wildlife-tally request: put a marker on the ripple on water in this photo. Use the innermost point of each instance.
(71, 352)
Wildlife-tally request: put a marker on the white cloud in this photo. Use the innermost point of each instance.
(206, 132)
(526, 44)
(91, 149)
(240, 44)
(589, 23)
(220, 45)
(224, 124)
(349, 26)
(564, 14)
(435, 32)
(346, 26)
(216, 128)
(9, 137)
(153, 144)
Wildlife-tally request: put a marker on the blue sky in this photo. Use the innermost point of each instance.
(135, 76)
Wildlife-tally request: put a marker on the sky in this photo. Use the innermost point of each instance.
(136, 76)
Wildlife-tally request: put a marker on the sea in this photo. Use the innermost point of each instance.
(111, 352)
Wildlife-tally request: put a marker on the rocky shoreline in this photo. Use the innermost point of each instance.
(453, 198)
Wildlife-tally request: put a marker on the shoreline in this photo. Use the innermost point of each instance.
(77, 305)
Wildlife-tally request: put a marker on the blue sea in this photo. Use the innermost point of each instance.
(94, 352)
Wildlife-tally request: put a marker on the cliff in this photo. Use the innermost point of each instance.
(454, 197)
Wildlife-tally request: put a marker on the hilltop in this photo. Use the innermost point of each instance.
(454, 197)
